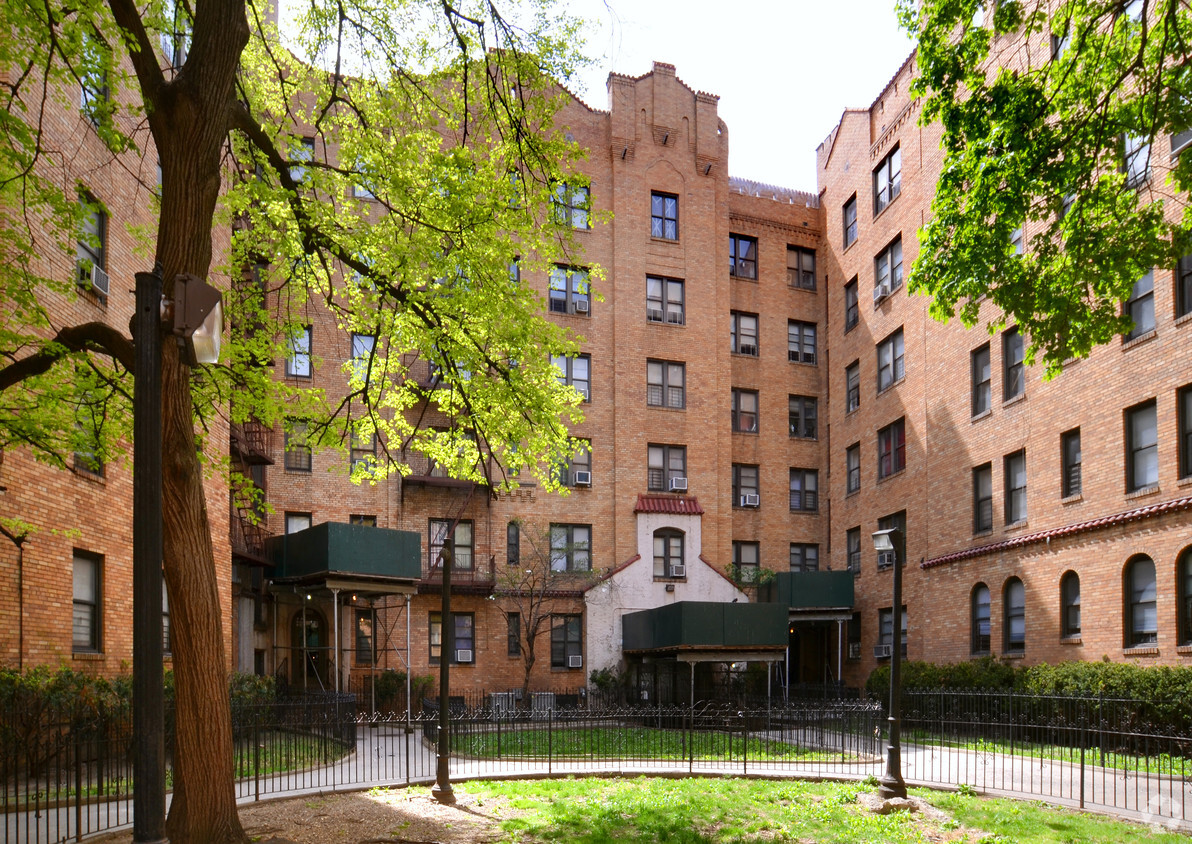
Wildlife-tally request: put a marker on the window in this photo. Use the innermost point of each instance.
(1183, 286)
(744, 334)
(92, 248)
(665, 465)
(668, 552)
(745, 411)
(1013, 380)
(165, 621)
(362, 520)
(575, 372)
(366, 640)
(1140, 307)
(572, 204)
(513, 634)
(1014, 623)
(800, 267)
(890, 367)
(745, 561)
(804, 556)
(1016, 240)
(1059, 43)
(802, 416)
(891, 449)
(887, 180)
(664, 215)
(1142, 447)
(297, 450)
(745, 484)
(980, 620)
(94, 94)
(850, 221)
(982, 379)
(1070, 460)
(581, 461)
(1184, 607)
(804, 490)
(302, 153)
(852, 313)
(1070, 604)
(1142, 623)
(87, 436)
(87, 609)
(885, 627)
(852, 385)
(363, 445)
(1184, 401)
(1014, 473)
(513, 543)
(362, 356)
(569, 291)
(463, 559)
(887, 270)
(463, 638)
(852, 543)
(298, 353)
(296, 522)
(852, 461)
(664, 300)
(800, 341)
(885, 559)
(666, 384)
(566, 641)
(570, 547)
(983, 498)
(742, 256)
(1136, 160)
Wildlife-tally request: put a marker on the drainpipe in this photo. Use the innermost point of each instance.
(18, 539)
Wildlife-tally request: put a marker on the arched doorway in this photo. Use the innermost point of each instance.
(308, 644)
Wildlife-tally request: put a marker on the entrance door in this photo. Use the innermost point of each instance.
(308, 640)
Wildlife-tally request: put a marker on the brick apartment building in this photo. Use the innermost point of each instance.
(716, 455)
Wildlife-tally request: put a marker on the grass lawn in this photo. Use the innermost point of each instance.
(629, 743)
(711, 811)
(1160, 763)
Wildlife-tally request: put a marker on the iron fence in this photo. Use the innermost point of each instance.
(67, 777)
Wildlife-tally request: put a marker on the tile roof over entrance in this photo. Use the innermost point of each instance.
(676, 505)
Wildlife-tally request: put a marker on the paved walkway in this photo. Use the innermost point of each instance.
(387, 755)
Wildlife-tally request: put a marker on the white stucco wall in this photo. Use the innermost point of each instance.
(634, 588)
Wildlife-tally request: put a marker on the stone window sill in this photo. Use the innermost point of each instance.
(1071, 640)
(984, 414)
(1144, 650)
(1072, 499)
(1142, 493)
(1139, 340)
(1013, 400)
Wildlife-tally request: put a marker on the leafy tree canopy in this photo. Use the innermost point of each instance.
(1057, 120)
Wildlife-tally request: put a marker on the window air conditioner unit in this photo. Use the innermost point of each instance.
(582, 479)
(654, 314)
(748, 349)
(678, 570)
(581, 306)
(675, 318)
(463, 655)
(94, 279)
(678, 485)
(583, 391)
(575, 661)
(882, 651)
(885, 560)
(751, 499)
(854, 650)
(881, 291)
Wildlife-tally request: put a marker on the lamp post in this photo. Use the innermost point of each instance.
(891, 783)
(198, 322)
(442, 790)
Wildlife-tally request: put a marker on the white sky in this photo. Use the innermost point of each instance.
(784, 69)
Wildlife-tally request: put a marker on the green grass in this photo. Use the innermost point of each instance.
(629, 743)
(283, 751)
(710, 811)
(1162, 763)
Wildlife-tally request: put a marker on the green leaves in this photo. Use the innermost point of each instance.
(1036, 143)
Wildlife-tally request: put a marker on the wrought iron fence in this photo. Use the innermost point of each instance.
(66, 777)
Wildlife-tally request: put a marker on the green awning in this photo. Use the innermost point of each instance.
(706, 626)
(348, 554)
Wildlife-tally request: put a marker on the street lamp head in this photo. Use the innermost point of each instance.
(198, 318)
(885, 540)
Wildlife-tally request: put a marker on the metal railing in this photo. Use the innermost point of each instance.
(68, 777)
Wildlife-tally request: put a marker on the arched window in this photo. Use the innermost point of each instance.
(668, 553)
(1070, 604)
(1014, 607)
(1142, 621)
(1184, 584)
(980, 619)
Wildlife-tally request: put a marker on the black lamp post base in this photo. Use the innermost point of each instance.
(890, 788)
(445, 794)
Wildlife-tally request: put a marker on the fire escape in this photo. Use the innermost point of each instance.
(250, 452)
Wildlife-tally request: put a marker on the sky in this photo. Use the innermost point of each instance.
(784, 70)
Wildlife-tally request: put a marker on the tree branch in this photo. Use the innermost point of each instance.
(90, 336)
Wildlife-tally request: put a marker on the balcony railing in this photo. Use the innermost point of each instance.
(250, 440)
(479, 576)
(248, 539)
